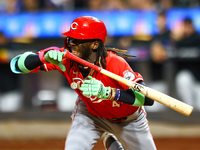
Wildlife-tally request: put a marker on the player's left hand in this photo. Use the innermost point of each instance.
(55, 57)
(93, 87)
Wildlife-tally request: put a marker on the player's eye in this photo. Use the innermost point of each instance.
(72, 45)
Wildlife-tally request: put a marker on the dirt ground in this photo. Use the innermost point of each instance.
(58, 144)
(21, 135)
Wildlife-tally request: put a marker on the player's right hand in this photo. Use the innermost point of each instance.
(93, 87)
(55, 57)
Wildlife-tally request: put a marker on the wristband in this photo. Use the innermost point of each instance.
(21, 62)
(42, 53)
(112, 95)
(12, 65)
(117, 95)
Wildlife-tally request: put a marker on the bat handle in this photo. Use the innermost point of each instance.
(81, 61)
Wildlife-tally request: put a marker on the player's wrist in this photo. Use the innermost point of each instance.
(43, 52)
(113, 95)
(21, 62)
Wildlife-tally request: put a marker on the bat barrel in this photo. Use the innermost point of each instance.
(164, 99)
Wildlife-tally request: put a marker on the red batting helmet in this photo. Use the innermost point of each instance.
(87, 27)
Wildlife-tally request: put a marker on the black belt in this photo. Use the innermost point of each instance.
(118, 120)
(122, 119)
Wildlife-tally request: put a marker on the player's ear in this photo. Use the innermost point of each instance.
(95, 45)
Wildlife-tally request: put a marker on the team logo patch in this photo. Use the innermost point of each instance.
(128, 75)
(74, 26)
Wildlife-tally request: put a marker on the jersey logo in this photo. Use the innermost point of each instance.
(128, 75)
(115, 104)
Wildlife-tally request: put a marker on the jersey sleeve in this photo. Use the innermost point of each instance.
(120, 66)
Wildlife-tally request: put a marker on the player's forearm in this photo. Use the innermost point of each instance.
(31, 62)
(129, 97)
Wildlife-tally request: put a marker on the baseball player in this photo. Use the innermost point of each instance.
(103, 104)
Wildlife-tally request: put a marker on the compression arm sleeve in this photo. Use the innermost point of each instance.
(128, 96)
(32, 62)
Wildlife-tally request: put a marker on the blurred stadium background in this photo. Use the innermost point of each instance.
(35, 109)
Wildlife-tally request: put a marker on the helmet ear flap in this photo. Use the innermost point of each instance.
(66, 44)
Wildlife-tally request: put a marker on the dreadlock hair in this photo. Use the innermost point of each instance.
(102, 54)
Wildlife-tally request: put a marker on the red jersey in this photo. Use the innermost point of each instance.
(102, 108)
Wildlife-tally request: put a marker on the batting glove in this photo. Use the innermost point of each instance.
(55, 57)
(93, 87)
(43, 52)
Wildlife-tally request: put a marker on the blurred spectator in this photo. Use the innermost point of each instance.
(9, 97)
(161, 41)
(10, 6)
(163, 5)
(187, 44)
(124, 42)
(17, 6)
(31, 5)
(186, 35)
(107, 4)
(63, 4)
(159, 46)
(96, 4)
(111, 41)
(37, 5)
(80, 4)
(116, 4)
(142, 4)
(187, 3)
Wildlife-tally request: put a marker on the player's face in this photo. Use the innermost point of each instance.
(81, 48)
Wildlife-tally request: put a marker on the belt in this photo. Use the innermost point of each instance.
(118, 120)
(122, 119)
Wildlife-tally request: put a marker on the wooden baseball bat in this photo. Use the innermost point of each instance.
(162, 98)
